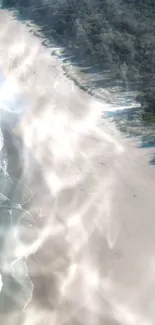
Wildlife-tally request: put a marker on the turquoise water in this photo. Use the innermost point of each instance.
(17, 228)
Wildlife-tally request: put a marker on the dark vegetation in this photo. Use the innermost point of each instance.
(115, 35)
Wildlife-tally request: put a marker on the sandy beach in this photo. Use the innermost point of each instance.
(90, 251)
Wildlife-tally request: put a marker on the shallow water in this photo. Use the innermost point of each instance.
(77, 239)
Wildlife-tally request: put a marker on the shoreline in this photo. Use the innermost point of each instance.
(100, 187)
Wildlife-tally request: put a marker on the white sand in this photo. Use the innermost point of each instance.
(95, 260)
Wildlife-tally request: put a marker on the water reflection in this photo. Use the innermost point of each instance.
(66, 237)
